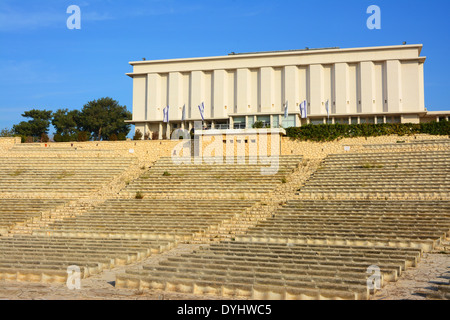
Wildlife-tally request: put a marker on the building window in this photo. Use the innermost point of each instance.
(251, 121)
(221, 125)
(354, 120)
(289, 121)
(380, 120)
(329, 121)
(265, 120)
(316, 121)
(371, 120)
(389, 120)
(239, 123)
(276, 121)
(341, 120)
(397, 119)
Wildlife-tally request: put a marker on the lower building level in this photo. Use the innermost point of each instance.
(160, 130)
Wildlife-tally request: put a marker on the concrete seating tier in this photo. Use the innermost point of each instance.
(273, 271)
(46, 259)
(52, 149)
(149, 219)
(19, 211)
(65, 177)
(417, 174)
(166, 177)
(411, 144)
(420, 224)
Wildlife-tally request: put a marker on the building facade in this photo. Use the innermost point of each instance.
(357, 85)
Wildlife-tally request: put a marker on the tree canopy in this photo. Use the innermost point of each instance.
(38, 125)
(65, 121)
(103, 118)
(6, 133)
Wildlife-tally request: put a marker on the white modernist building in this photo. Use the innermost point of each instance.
(357, 85)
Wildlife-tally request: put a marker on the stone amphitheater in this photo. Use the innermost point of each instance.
(141, 227)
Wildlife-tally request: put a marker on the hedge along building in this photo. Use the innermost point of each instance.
(356, 85)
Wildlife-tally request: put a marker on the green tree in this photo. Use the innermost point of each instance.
(104, 117)
(6, 133)
(66, 122)
(39, 123)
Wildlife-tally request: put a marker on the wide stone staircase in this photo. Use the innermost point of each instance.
(312, 248)
(260, 237)
(307, 250)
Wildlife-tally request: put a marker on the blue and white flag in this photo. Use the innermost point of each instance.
(183, 113)
(286, 106)
(166, 114)
(202, 110)
(303, 111)
(327, 107)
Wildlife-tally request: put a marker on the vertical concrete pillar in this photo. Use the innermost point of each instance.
(160, 131)
(394, 78)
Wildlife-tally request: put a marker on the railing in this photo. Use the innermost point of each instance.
(239, 126)
(222, 126)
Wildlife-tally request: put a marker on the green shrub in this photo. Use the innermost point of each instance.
(83, 136)
(44, 138)
(139, 195)
(260, 125)
(65, 137)
(166, 174)
(16, 173)
(331, 132)
(138, 135)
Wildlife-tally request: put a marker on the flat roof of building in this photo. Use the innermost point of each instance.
(282, 53)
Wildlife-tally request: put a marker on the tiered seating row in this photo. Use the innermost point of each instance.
(166, 177)
(20, 211)
(65, 176)
(407, 173)
(37, 148)
(392, 223)
(273, 271)
(149, 219)
(46, 259)
(418, 143)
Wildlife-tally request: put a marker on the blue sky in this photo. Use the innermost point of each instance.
(45, 65)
